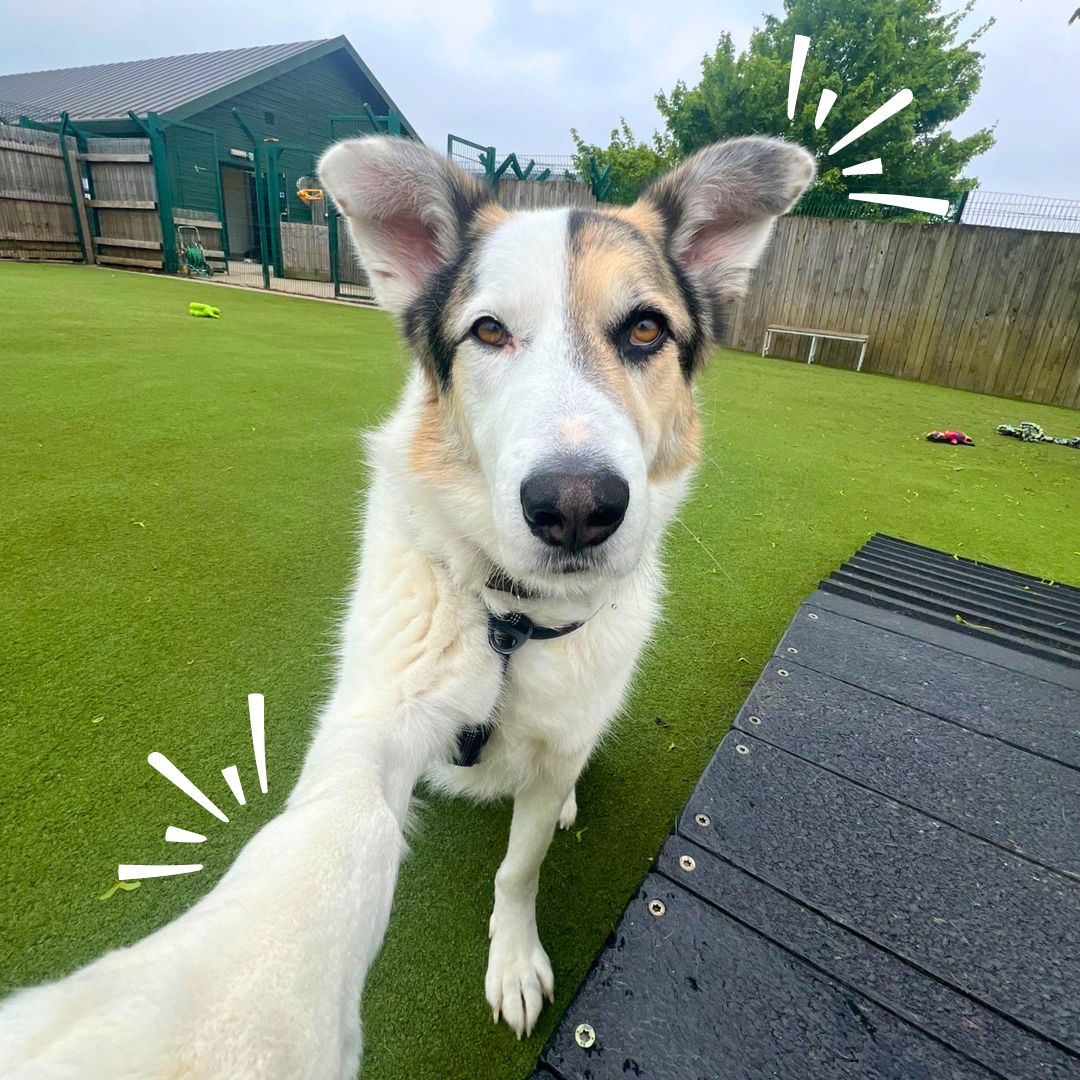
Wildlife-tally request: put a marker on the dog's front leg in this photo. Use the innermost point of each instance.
(519, 973)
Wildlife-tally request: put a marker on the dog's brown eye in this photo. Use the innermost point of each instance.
(490, 331)
(646, 331)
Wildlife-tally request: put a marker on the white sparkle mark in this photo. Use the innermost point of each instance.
(828, 98)
(232, 778)
(906, 202)
(137, 871)
(175, 776)
(173, 835)
(258, 736)
(864, 168)
(898, 101)
(798, 59)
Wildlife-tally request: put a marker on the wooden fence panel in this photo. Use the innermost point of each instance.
(37, 220)
(537, 194)
(350, 270)
(128, 230)
(305, 251)
(970, 306)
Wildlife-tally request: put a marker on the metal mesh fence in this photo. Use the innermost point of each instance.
(1012, 211)
(828, 205)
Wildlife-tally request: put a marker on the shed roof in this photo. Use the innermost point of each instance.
(175, 87)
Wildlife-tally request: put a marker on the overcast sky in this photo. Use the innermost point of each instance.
(519, 73)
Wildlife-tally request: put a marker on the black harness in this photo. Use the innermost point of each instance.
(506, 634)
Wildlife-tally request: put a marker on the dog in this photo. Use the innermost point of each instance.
(510, 574)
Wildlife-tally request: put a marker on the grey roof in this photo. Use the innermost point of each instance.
(108, 91)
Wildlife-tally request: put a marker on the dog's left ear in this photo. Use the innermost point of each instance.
(719, 206)
(408, 210)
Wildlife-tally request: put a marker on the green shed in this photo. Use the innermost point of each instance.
(231, 133)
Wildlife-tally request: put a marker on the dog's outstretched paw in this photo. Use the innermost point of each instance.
(518, 979)
(568, 814)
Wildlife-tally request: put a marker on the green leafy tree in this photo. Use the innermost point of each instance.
(633, 163)
(865, 52)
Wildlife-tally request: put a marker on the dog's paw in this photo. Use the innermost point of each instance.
(518, 979)
(568, 814)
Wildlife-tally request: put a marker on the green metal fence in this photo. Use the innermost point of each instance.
(485, 161)
(837, 205)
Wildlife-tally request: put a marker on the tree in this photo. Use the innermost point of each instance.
(633, 163)
(865, 52)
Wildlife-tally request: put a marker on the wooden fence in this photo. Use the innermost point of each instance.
(37, 220)
(126, 227)
(537, 194)
(305, 251)
(980, 308)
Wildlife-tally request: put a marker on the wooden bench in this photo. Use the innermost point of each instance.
(815, 336)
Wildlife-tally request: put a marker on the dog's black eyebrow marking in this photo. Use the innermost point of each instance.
(465, 202)
(660, 196)
(423, 320)
(690, 346)
(578, 219)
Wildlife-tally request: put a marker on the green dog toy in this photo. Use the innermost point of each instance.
(203, 311)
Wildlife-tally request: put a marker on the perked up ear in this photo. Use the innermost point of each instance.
(407, 208)
(719, 207)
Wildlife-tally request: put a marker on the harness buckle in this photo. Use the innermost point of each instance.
(507, 633)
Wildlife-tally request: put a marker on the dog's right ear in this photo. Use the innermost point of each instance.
(408, 210)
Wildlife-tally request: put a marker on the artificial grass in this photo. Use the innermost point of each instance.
(180, 500)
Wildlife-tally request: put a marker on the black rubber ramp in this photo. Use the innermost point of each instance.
(878, 875)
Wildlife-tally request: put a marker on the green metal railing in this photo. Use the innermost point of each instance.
(484, 161)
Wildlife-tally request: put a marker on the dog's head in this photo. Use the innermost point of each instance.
(560, 346)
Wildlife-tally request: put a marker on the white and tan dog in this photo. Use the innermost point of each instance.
(542, 446)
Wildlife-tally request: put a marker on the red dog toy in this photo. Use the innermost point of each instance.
(957, 438)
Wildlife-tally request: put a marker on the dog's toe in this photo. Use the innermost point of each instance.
(519, 977)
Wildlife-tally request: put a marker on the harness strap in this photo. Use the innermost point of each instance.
(506, 634)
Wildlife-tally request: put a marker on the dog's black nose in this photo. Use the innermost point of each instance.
(574, 509)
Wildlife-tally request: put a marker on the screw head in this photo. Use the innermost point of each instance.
(742, 748)
(783, 673)
(703, 820)
(686, 862)
(754, 719)
(657, 908)
(584, 1036)
(811, 615)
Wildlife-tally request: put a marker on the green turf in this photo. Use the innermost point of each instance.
(179, 500)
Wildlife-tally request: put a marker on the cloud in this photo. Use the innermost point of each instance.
(519, 74)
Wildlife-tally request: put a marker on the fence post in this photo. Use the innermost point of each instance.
(273, 206)
(260, 206)
(78, 203)
(155, 134)
(332, 240)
